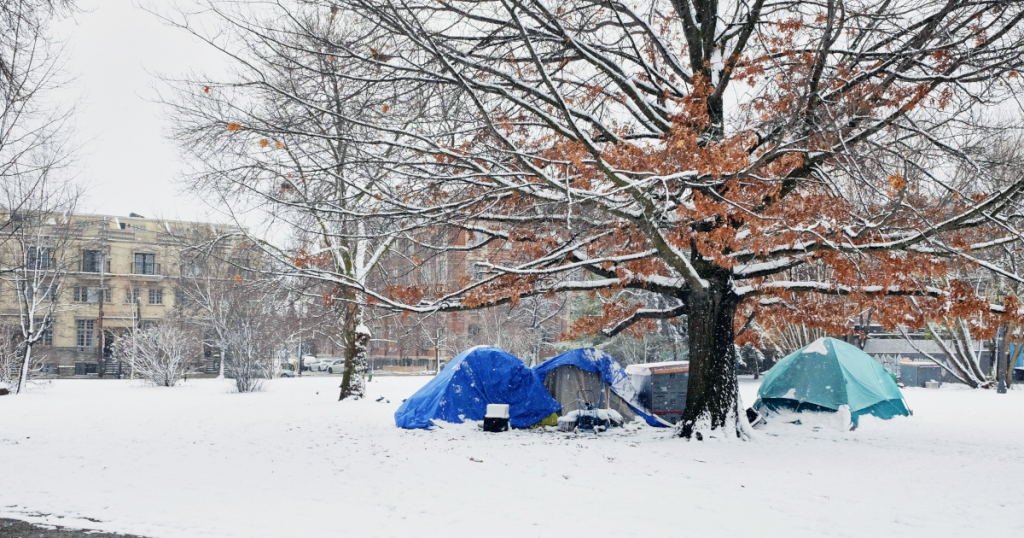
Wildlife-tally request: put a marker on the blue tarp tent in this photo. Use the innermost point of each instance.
(828, 374)
(599, 362)
(473, 379)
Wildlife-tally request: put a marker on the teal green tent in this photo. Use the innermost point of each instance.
(828, 374)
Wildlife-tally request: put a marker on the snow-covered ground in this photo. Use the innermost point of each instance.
(198, 461)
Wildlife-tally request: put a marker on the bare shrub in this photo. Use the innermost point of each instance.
(159, 354)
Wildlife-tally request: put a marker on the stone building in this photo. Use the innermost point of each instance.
(118, 273)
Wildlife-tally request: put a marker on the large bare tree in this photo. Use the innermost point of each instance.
(34, 129)
(737, 157)
(280, 137)
(788, 161)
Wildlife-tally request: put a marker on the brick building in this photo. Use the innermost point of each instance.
(420, 343)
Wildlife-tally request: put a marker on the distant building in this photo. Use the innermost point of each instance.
(413, 343)
(889, 348)
(125, 268)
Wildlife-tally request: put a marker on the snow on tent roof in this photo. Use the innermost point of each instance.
(842, 375)
(474, 378)
(596, 361)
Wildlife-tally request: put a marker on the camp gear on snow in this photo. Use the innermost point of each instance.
(827, 374)
(754, 418)
(474, 378)
(661, 387)
(607, 418)
(496, 419)
(917, 373)
(594, 370)
(586, 412)
(494, 424)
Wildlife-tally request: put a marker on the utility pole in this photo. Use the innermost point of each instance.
(100, 344)
(999, 353)
(136, 324)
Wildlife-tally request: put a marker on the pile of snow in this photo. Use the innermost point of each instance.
(201, 461)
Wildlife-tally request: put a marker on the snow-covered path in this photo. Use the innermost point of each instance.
(200, 461)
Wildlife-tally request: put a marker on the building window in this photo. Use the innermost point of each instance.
(156, 296)
(132, 295)
(181, 299)
(147, 324)
(47, 339)
(92, 261)
(144, 264)
(38, 258)
(28, 293)
(85, 294)
(85, 329)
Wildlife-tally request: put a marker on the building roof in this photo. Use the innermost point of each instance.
(667, 367)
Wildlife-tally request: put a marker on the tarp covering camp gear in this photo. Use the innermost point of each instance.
(474, 378)
(827, 374)
(596, 371)
(661, 387)
(918, 373)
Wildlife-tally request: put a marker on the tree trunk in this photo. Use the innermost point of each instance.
(357, 338)
(23, 376)
(712, 393)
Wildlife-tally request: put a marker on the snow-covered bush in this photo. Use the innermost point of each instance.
(159, 354)
(10, 356)
(250, 354)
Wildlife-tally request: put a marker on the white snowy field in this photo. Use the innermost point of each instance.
(198, 460)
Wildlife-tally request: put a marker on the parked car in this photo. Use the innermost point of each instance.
(286, 369)
(336, 366)
(324, 363)
(309, 362)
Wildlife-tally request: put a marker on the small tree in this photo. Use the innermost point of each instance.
(34, 259)
(161, 353)
(251, 335)
(10, 355)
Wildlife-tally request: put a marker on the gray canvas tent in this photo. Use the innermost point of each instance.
(596, 371)
(564, 381)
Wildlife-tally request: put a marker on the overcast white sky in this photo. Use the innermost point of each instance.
(115, 48)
